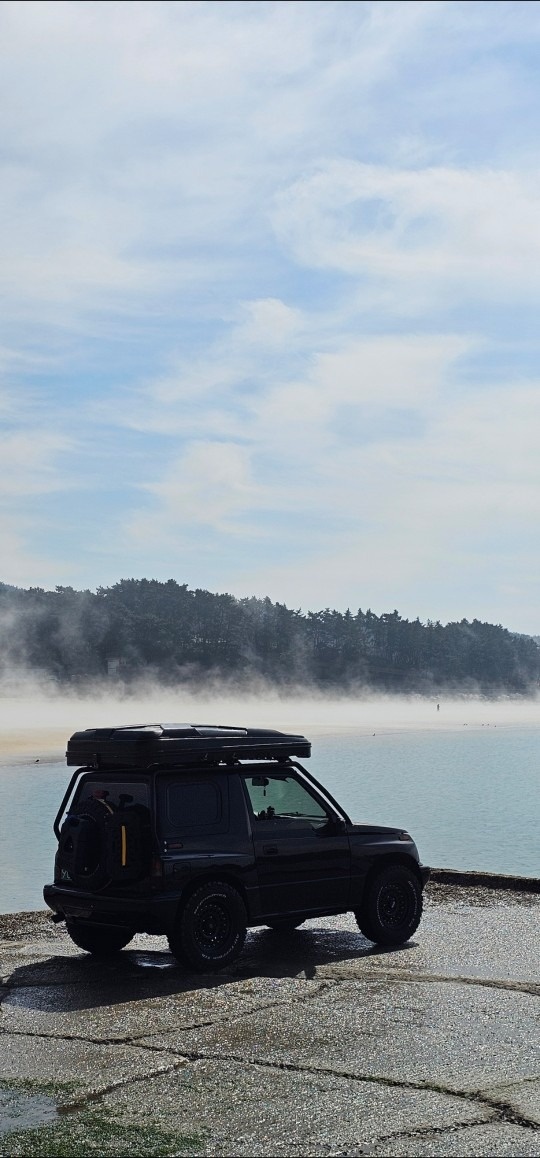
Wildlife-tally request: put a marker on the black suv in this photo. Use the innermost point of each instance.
(199, 832)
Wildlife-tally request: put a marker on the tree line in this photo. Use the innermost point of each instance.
(165, 630)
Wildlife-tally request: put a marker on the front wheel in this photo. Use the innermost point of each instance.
(211, 928)
(101, 940)
(391, 906)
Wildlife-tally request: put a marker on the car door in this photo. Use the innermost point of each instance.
(302, 851)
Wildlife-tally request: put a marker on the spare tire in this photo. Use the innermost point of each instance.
(100, 843)
(81, 858)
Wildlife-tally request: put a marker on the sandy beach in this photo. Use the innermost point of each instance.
(27, 746)
(37, 728)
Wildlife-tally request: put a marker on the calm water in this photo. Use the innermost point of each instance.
(471, 800)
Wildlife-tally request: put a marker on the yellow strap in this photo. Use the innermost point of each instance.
(124, 846)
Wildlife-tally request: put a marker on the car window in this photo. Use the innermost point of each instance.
(126, 791)
(278, 799)
(193, 805)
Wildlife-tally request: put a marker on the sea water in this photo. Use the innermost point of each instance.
(471, 799)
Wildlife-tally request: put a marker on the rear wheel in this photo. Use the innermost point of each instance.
(391, 907)
(211, 928)
(101, 940)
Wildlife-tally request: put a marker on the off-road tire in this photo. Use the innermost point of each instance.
(391, 907)
(101, 940)
(210, 929)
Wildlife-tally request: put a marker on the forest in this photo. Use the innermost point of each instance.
(140, 628)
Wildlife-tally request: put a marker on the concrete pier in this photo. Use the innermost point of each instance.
(316, 1043)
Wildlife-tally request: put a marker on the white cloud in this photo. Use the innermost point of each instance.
(269, 322)
(382, 372)
(31, 463)
(243, 389)
(206, 487)
(282, 452)
(388, 514)
(143, 142)
(449, 232)
(20, 565)
(217, 223)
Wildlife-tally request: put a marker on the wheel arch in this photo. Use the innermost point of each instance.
(203, 878)
(388, 860)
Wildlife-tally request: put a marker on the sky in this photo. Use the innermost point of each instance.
(270, 279)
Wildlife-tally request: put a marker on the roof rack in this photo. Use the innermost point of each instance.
(142, 745)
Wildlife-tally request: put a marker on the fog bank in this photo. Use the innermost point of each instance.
(35, 724)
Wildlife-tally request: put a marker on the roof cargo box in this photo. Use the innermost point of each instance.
(144, 745)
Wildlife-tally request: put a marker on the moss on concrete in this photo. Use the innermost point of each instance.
(96, 1132)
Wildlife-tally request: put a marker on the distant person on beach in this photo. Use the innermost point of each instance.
(438, 707)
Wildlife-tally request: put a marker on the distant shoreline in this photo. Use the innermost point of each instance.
(46, 746)
(53, 721)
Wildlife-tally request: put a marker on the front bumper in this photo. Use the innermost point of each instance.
(145, 914)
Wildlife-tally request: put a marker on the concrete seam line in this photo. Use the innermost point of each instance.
(502, 1110)
(88, 1040)
(531, 988)
(501, 1107)
(135, 1039)
(426, 1131)
(266, 1063)
(98, 1094)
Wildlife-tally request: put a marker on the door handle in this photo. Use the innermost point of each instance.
(270, 849)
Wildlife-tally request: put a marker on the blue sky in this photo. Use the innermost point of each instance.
(270, 287)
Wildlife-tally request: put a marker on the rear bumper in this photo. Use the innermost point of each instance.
(148, 914)
(425, 873)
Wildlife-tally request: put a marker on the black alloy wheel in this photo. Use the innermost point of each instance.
(211, 927)
(392, 906)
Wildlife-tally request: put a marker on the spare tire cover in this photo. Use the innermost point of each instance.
(100, 842)
(82, 848)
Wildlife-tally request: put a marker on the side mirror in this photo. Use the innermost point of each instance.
(335, 824)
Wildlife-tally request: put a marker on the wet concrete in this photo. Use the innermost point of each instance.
(18, 1108)
(314, 1044)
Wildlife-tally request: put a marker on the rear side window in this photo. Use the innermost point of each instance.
(116, 792)
(194, 805)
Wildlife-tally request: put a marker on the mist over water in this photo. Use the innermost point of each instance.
(34, 716)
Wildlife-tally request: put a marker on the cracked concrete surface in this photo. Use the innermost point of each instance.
(314, 1044)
